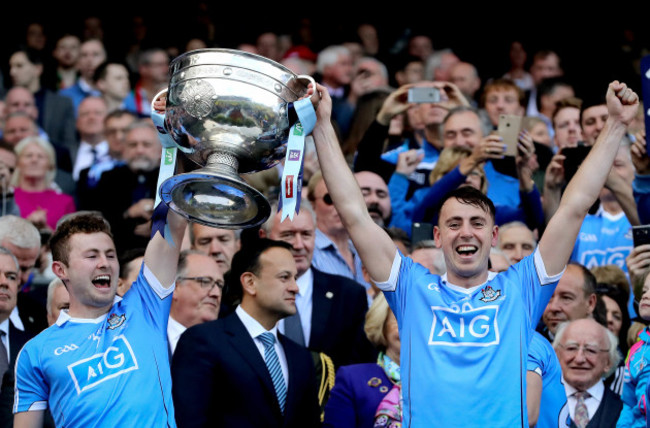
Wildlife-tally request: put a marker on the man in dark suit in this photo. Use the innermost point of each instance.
(23, 239)
(13, 334)
(238, 371)
(331, 308)
(587, 353)
(127, 192)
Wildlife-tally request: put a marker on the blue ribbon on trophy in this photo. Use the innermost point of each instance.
(291, 184)
(167, 167)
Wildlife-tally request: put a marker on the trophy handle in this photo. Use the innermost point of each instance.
(315, 98)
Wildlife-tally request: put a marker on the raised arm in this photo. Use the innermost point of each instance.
(622, 191)
(641, 183)
(160, 257)
(560, 235)
(553, 182)
(375, 247)
(31, 419)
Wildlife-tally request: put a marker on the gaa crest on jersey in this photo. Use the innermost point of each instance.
(490, 294)
(114, 321)
(464, 326)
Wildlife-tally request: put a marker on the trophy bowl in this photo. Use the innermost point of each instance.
(228, 112)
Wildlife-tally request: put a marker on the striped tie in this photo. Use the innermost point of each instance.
(273, 364)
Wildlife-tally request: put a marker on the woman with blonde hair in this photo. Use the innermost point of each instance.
(35, 194)
(368, 395)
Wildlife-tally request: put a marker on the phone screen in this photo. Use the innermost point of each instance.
(423, 95)
(574, 157)
(509, 129)
(421, 232)
(641, 235)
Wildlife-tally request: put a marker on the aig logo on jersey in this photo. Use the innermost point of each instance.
(117, 360)
(464, 326)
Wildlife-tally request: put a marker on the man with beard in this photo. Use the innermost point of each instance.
(127, 192)
(375, 193)
(334, 252)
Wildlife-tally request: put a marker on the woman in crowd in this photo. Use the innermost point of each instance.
(456, 167)
(368, 395)
(33, 180)
(614, 300)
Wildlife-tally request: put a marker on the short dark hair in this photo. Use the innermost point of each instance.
(33, 55)
(471, 196)
(247, 259)
(548, 86)
(78, 223)
(127, 257)
(116, 114)
(397, 234)
(102, 69)
(589, 279)
(592, 100)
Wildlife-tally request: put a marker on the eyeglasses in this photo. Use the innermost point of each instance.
(205, 282)
(589, 351)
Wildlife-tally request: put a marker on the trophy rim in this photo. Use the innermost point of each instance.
(179, 182)
(231, 51)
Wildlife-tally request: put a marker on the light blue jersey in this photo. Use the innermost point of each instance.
(542, 360)
(603, 239)
(111, 372)
(503, 189)
(464, 351)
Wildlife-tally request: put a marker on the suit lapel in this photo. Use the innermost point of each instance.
(245, 346)
(17, 340)
(321, 309)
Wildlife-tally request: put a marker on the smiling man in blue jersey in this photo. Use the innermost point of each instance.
(105, 361)
(465, 334)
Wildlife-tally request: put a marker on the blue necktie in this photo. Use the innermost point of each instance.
(275, 370)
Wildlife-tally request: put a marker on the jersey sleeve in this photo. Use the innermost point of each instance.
(154, 298)
(537, 286)
(538, 355)
(32, 391)
(404, 272)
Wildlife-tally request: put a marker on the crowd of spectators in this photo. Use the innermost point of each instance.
(76, 136)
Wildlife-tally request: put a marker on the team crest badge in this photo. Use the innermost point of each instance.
(114, 321)
(489, 294)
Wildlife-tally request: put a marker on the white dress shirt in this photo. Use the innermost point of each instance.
(597, 391)
(254, 328)
(174, 331)
(84, 158)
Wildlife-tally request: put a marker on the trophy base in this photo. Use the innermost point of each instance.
(216, 199)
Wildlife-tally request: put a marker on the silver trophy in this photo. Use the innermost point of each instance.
(227, 111)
